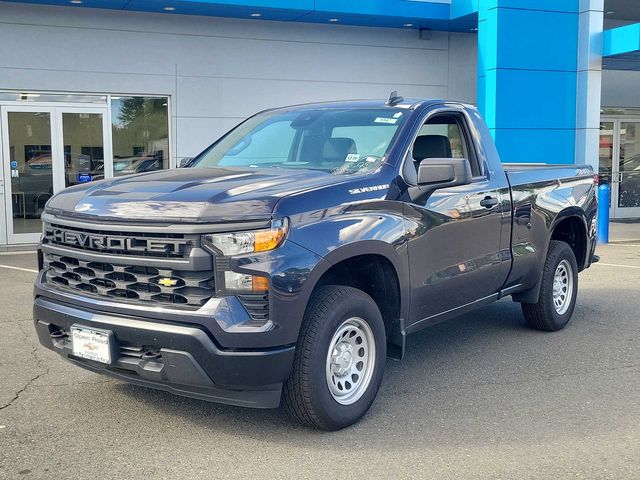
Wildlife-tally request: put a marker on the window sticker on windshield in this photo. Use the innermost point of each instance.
(385, 120)
(352, 157)
(397, 115)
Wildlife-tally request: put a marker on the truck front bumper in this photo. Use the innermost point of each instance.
(178, 358)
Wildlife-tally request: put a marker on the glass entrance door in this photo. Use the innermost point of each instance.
(84, 136)
(627, 177)
(29, 154)
(620, 164)
(44, 150)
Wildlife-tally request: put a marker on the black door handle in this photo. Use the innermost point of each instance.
(489, 202)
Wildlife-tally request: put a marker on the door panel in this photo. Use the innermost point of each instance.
(454, 234)
(454, 248)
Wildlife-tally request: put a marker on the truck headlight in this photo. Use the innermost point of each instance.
(229, 244)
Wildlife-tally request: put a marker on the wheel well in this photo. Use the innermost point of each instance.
(572, 231)
(376, 276)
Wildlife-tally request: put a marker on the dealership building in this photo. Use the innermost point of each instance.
(92, 89)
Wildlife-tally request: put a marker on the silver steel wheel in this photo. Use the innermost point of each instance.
(351, 359)
(562, 287)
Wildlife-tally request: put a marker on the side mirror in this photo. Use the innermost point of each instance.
(185, 162)
(435, 173)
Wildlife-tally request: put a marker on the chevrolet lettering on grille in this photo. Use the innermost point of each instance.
(118, 243)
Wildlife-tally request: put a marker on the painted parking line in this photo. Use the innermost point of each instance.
(11, 267)
(616, 265)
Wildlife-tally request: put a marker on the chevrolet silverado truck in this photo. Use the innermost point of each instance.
(297, 252)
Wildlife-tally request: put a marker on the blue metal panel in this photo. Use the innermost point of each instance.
(527, 77)
(535, 145)
(423, 14)
(386, 8)
(568, 6)
(388, 13)
(487, 40)
(552, 45)
(203, 7)
(462, 8)
(108, 4)
(534, 99)
(621, 40)
(381, 21)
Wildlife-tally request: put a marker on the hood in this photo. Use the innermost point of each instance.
(190, 195)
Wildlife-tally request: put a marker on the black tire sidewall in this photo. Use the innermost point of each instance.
(356, 304)
(560, 251)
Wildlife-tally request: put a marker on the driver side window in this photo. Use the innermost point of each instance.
(443, 136)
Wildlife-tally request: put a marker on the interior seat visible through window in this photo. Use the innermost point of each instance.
(431, 146)
(335, 150)
(443, 136)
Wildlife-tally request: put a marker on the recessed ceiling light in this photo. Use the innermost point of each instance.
(408, 24)
(169, 9)
(75, 2)
(334, 20)
(256, 15)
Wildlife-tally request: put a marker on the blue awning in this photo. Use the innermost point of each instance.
(447, 15)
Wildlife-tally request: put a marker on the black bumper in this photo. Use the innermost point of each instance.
(181, 359)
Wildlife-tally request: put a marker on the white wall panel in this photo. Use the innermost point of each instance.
(620, 88)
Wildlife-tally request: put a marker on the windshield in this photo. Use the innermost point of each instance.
(339, 141)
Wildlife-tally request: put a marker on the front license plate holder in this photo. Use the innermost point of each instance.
(93, 344)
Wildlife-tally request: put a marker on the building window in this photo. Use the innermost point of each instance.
(140, 131)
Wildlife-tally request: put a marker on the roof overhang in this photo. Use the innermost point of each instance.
(621, 47)
(447, 15)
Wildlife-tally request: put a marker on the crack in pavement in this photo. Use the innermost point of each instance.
(17, 395)
(39, 364)
(13, 320)
(71, 384)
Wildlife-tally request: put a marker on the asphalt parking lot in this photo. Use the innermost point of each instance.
(481, 396)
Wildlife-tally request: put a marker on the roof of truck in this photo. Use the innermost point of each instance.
(408, 103)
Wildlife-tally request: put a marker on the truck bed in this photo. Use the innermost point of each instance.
(528, 173)
(540, 196)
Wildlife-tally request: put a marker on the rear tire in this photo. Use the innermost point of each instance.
(558, 290)
(339, 359)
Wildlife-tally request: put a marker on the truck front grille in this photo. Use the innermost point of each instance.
(129, 282)
(137, 244)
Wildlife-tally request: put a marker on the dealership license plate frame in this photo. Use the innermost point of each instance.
(93, 338)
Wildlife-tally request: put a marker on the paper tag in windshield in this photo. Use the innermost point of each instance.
(385, 120)
(352, 157)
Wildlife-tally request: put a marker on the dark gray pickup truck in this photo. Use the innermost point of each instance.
(299, 250)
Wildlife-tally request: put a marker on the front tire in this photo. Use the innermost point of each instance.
(339, 359)
(558, 290)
